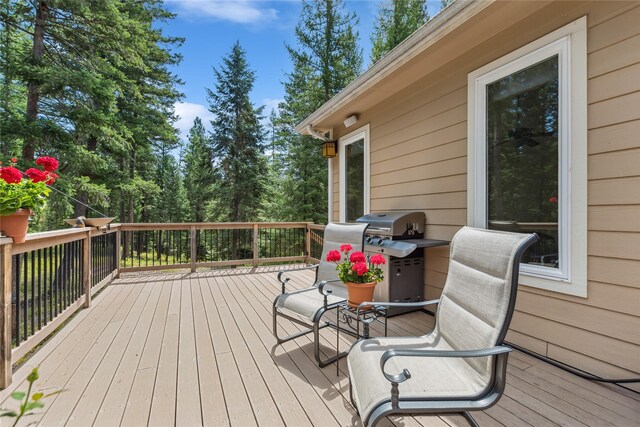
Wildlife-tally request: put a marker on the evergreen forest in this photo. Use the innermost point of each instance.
(89, 83)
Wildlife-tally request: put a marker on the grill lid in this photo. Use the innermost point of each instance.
(407, 224)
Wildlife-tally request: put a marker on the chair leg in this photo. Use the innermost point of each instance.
(275, 329)
(470, 419)
(316, 345)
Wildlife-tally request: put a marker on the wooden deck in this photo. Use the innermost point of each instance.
(196, 349)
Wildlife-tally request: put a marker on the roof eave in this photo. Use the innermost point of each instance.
(453, 16)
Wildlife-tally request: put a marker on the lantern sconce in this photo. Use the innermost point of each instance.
(329, 149)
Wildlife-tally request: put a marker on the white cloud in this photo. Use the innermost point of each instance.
(238, 11)
(271, 104)
(187, 113)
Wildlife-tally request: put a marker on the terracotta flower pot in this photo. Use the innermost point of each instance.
(15, 225)
(360, 292)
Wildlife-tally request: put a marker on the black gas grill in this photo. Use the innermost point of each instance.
(399, 236)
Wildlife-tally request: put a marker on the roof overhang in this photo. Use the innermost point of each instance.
(468, 22)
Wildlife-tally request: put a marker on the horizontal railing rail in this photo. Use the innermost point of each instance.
(160, 246)
(46, 279)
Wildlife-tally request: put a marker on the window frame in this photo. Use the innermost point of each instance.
(350, 138)
(569, 44)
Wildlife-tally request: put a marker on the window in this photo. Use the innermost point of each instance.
(354, 175)
(527, 154)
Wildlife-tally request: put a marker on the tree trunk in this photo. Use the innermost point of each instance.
(6, 89)
(33, 91)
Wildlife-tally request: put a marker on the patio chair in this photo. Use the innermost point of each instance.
(461, 365)
(305, 307)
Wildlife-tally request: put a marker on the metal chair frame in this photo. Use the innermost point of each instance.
(484, 400)
(316, 325)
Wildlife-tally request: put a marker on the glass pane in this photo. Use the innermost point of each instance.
(354, 180)
(522, 157)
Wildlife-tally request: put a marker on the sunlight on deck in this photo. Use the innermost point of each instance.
(196, 349)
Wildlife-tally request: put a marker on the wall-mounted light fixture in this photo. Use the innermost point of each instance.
(329, 149)
(351, 120)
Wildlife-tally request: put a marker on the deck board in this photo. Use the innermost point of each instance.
(196, 349)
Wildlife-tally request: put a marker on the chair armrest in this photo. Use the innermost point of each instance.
(326, 293)
(322, 284)
(283, 281)
(397, 304)
(405, 374)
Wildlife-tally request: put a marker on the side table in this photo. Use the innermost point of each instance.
(351, 318)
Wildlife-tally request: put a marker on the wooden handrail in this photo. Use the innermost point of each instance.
(122, 232)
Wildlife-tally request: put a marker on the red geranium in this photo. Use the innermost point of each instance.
(553, 199)
(360, 268)
(51, 178)
(357, 257)
(353, 267)
(48, 163)
(377, 259)
(36, 175)
(10, 175)
(346, 248)
(333, 256)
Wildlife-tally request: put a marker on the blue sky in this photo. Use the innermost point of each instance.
(262, 27)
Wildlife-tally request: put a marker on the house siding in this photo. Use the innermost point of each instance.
(419, 160)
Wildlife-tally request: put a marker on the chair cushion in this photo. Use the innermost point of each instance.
(430, 377)
(306, 303)
(475, 300)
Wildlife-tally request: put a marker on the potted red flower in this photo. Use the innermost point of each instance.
(359, 274)
(23, 192)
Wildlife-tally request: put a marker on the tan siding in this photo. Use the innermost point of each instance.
(618, 191)
(617, 110)
(614, 218)
(418, 162)
(614, 84)
(614, 30)
(618, 164)
(616, 271)
(615, 137)
(615, 57)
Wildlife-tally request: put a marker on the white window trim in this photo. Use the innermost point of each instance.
(570, 42)
(361, 133)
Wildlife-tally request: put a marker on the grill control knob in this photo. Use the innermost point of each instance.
(369, 240)
(379, 242)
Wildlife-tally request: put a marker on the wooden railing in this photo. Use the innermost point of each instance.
(53, 274)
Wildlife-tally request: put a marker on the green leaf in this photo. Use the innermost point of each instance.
(18, 395)
(53, 393)
(33, 405)
(9, 414)
(37, 396)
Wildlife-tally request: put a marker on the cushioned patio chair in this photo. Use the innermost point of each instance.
(306, 307)
(461, 365)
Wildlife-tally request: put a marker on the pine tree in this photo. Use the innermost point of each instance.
(325, 60)
(237, 140)
(172, 202)
(94, 82)
(396, 20)
(199, 176)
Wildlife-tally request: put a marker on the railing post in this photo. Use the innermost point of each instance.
(87, 271)
(307, 258)
(194, 248)
(5, 319)
(118, 253)
(256, 237)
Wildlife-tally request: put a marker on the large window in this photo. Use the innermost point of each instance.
(354, 175)
(527, 154)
